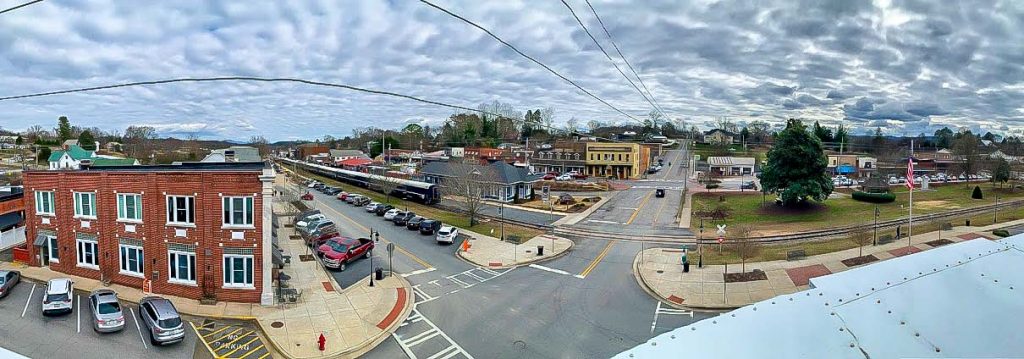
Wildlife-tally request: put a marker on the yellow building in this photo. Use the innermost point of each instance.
(618, 160)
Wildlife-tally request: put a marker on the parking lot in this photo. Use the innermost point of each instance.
(26, 331)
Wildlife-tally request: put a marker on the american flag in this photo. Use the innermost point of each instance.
(910, 173)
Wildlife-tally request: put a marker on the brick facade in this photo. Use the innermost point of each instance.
(208, 235)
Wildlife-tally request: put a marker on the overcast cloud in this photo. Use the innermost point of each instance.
(909, 66)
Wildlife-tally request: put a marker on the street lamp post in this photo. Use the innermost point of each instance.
(874, 240)
(995, 211)
(371, 257)
(700, 247)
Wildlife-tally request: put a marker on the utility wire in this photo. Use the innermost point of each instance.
(20, 6)
(610, 39)
(546, 67)
(609, 57)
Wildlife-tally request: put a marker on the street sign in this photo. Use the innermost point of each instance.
(391, 248)
(545, 191)
(721, 228)
(721, 239)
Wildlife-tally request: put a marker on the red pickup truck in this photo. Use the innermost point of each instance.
(340, 250)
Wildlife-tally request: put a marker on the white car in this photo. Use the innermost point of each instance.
(447, 234)
(312, 184)
(371, 207)
(564, 177)
(313, 218)
(58, 295)
(390, 214)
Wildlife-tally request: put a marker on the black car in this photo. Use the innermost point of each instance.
(660, 192)
(319, 187)
(402, 219)
(382, 209)
(414, 223)
(748, 185)
(429, 226)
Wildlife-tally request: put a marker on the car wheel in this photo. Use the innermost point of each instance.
(152, 339)
(366, 255)
(341, 267)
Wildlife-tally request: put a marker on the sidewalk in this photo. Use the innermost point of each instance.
(660, 273)
(487, 251)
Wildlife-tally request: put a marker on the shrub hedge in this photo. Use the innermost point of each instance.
(874, 197)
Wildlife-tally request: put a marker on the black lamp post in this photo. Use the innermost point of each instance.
(371, 256)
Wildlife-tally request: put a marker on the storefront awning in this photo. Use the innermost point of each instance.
(846, 169)
(40, 240)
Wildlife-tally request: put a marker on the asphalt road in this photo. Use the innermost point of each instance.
(520, 215)
(26, 331)
(582, 305)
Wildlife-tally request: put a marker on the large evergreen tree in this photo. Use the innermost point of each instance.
(87, 141)
(824, 134)
(64, 129)
(795, 168)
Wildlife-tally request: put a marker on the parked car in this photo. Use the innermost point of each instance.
(57, 297)
(578, 175)
(401, 220)
(161, 320)
(316, 238)
(429, 226)
(414, 223)
(447, 234)
(310, 219)
(361, 201)
(748, 185)
(548, 177)
(382, 209)
(342, 195)
(307, 197)
(321, 228)
(371, 207)
(107, 315)
(390, 214)
(311, 184)
(310, 224)
(652, 170)
(564, 177)
(341, 251)
(8, 279)
(351, 197)
(333, 191)
(306, 214)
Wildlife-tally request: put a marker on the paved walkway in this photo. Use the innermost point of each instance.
(487, 251)
(659, 270)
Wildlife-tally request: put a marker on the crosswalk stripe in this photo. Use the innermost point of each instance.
(451, 350)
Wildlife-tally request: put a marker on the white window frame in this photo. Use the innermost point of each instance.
(228, 211)
(41, 205)
(80, 246)
(172, 267)
(122, 207)
(124, 260)
(81, 206)
(172, 210)
(52, 246)
(229, 270)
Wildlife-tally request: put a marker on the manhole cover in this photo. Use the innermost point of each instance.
(519, 344)
(276, 325)
(305, 257)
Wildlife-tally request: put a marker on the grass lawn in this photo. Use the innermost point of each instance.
(838, 212)
(454, 219)
(774, 252)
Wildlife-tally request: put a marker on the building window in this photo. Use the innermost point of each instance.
(87, 253)
(238, 211)
(181, 210)
(131, 259)
(44, 202)
(238, 270)
(85, 204)
(627, 157)
(181, 267)
(52, 247)
(129, 206)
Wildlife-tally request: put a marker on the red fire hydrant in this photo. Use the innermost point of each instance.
(322, 341)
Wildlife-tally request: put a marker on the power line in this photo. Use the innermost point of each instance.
(585, 29)
(546, 67)
(20, 6)
(610, 39)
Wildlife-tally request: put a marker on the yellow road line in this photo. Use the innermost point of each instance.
(229, 334)
(225, 345)
(638, 208)
(265, 355)
(593, 264)
(210, 334)
(203, 340)
(364, 228)
(241, 346)
(660, 208)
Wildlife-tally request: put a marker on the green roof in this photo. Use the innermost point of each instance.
(76, 152)
(113, 161)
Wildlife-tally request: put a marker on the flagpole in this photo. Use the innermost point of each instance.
(910, 225)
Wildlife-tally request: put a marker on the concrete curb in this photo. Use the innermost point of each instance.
(646, 287)
(574, 218)
(572, 244)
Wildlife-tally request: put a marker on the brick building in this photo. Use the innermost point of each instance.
(195, 230)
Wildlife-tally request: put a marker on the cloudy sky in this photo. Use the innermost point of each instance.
(906, 66)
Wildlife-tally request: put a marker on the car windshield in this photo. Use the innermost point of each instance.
(442, 232)
(337, 246)
(109, 308)
(59, 297)
(169, 322)
(2, 280)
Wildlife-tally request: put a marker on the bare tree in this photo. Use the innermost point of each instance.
(547, 118)
(192, 146)
(593, 125)
(724, 123)
(386, 184)
(468, 183)
(139, 140)
(260, 143)
(745, 246)
(572, 125)
(861, 236)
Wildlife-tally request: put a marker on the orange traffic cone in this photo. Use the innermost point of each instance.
(465, 245)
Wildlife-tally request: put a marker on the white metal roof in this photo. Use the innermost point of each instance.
(959, 300)
(730, 161)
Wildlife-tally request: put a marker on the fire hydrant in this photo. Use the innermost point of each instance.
(322, 341)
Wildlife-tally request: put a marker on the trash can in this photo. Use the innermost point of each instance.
(540, 250)
(686, 267)
(968, 223)
(379, 273)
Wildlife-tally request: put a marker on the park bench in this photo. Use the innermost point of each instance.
(796, 254)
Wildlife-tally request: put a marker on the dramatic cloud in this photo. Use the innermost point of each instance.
(906, 66)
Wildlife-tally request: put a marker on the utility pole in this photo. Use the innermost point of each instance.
(874, 240)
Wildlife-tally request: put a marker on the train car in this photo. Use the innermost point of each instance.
(418, 191)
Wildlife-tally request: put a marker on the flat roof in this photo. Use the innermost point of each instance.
(958, 300)
(184, 166)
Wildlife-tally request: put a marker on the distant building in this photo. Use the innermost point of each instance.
(719, 136)
(731, 166)
(75, 157)
(617, 160)
(354, 164)
(234, 154)
(485, 155)
(305, 151)
(341, 155)
(562, 157)
(457, 152)
(867, 166)
(510, 183)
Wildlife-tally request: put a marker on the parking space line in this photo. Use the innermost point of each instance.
(474, 276)
(638, 208)
(264, 355)
(29, 300)
(137, 327)
(418, 271)
(448, 352)
(593, 264)
(256, 349)
(488, 271)
(79, 312)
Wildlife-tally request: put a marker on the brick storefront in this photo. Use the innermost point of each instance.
(207, 237)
